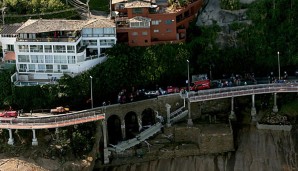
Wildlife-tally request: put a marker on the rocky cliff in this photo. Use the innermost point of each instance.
(255, 150)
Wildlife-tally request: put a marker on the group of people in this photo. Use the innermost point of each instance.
(273, 79)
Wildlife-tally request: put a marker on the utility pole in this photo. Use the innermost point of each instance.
(88, 8)
(3, 13)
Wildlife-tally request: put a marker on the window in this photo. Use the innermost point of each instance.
(71, 59)
(37, 59)
(139, 24)
(49, 59)
(168, 22)
(137, 10)
(36, 48)
(134, 33)
(107, 42)
(60, 59)
(156, 31)
(23, 67)
(168, 30)
(10, 47)
(144, 33)
(41, 67)
(64, 67)
(48, 48)
(93, 42)
(154, 22)
(59, 49)
(23, 58)
(70, 49)
(49, 67)
(31, 67)
(23, 48)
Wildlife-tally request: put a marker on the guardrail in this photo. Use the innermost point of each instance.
(54, 121)
(220, 93)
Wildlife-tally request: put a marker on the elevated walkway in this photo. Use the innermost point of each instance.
(54, 121)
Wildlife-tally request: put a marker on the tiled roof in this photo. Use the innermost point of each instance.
(100, 23)
(137, 4)
(10, 56)
(10, 29)
(139, 18)
(45, 25)
(118, 1)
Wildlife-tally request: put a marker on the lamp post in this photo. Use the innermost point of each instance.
(278, 65)
(188, 83)
(3, 13)
(91, 93)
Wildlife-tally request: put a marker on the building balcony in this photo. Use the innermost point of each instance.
(50, 39)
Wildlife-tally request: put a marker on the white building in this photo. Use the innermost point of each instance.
(45, 50)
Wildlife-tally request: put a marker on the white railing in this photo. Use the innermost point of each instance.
(219, 93)
(178, 117)
(54, 121)
(176, 112)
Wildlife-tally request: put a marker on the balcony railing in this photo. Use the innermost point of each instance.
(50, 39)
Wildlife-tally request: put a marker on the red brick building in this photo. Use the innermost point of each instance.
(149, 22)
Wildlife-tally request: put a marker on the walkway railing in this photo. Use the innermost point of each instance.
(54, 121)
(220, 93)
(178, 114)
(138, 139)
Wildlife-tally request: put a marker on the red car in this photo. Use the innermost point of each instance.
(9, 114)
(200, 85)
(171, 89)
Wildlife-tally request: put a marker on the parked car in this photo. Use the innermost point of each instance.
(151, 93)
(59, 110)
(171, 89)
(9, 114)
(296, 73)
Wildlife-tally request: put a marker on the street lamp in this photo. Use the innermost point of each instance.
(91, 93)
(278, 65)
(3, 13)
(188, 82)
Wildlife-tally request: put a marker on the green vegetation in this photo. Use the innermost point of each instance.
(230, 4)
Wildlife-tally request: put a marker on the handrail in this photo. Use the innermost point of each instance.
(219, 93)
(54, 121)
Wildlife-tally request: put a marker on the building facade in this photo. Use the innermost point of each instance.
(45, 50)
(150, 22)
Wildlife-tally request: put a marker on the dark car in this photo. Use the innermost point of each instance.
(296, 73)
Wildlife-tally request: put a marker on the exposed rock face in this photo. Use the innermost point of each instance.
(265, 150)
(257, 150)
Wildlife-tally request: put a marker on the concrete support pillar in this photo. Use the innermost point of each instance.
(123, 129)
(253, 111)
(189, 120)
(106, 152)
(232, 114)
(140, 123)
(10, 140)
(275, 109)
(57, 133)
(168, 115)
(34, 139)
